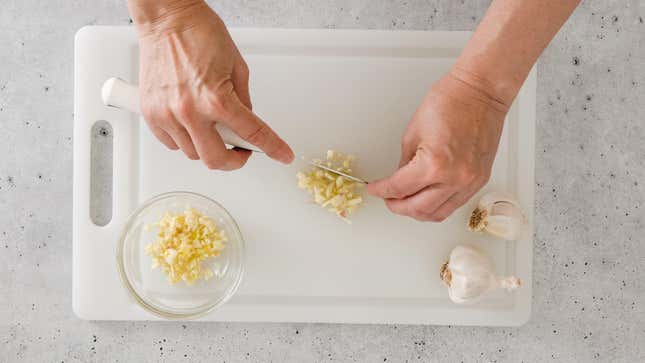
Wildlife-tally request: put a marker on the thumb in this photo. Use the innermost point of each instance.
(406, 181)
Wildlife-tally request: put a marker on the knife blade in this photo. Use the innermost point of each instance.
(337, 172)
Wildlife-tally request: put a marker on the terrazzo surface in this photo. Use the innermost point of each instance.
(589, 255)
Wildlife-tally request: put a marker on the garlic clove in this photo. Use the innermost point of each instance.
(499, 215)
(331, 191)
(469, 275)
(504, 227)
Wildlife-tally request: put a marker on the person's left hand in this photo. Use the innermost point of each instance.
(447, 151)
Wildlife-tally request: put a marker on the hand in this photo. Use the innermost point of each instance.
(191, 76)
(447, 150)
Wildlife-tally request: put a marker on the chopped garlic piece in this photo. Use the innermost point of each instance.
(184, 241)
(331, 191)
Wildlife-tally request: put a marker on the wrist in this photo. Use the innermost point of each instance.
(487, 91)
(500, 88)
(488, 68)
(161, 16)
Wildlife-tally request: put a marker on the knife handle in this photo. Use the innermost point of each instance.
(121, 94)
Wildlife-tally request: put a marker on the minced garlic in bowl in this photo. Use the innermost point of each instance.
(184, 242)
(181, 255)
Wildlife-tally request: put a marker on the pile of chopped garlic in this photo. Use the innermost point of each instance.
(184, 241)
(332, 191)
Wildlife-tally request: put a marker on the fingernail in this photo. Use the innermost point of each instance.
(286, 157)
(283, 158)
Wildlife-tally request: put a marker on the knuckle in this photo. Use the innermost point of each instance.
(220, 100)
(480, 180)
(391, 207)
(392, 190)
(162, 116)
(217, 104)
(215, 162)
(434, 165)
(166, 141)
(220, 104)
(192, 155)
(153, 126)
(424, 219)
(430, 172)
(407, 139)
(483, 179)
(155, 116)
(175, 129)
(148, 111)
(259, 135)
(438, 161)
(177, 133)
(428, 217)
(188, 122)
(442, 214)
(184, 109)
(233, 166)
(420, 212)
(467, 175)
(244, 69)
(438, 218)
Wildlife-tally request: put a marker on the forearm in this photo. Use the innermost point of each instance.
(153, 15)
(508, 42)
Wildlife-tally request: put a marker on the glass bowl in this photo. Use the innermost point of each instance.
(150, 287)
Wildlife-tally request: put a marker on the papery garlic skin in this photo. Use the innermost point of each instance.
(469, 274)
(500, 215)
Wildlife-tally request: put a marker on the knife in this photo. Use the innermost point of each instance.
(121, 94)
(337, 172)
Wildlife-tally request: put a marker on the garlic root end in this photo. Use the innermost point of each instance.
(510, 283)
(477, 221)
(445, 274)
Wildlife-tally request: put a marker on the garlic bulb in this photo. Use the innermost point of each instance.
(500, 215)
(469, 274)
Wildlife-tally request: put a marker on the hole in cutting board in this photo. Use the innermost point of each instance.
(101, 153)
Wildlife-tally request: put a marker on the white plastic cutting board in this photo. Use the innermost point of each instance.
(349, 90)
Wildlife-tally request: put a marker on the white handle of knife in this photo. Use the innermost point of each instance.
(119, 93)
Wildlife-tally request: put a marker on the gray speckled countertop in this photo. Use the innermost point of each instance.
(589, 289)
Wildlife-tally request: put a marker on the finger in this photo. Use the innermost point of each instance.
(211, 148)
(163, 137)
(252, 129)
(408, 180)
(240, 79)
(450, 205)
(181, 138)
(408, 148)
(422, 205)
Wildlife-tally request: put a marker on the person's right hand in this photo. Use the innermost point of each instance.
(192, 76)
(447, 150)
